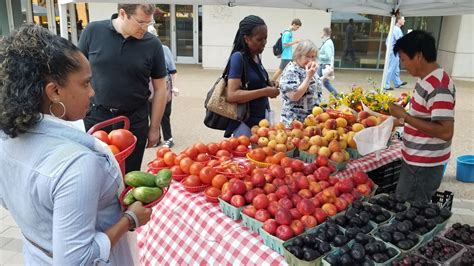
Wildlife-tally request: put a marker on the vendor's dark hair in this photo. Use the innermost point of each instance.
(415, 42)
(30, 58)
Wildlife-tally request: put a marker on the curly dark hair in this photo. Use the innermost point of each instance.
(30, 58)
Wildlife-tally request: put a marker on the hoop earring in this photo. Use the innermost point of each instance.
(62, 105)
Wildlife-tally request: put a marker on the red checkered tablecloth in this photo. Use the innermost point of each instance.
(371, 162)
(186, 229)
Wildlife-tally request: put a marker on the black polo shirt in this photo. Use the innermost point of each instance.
(121, 68)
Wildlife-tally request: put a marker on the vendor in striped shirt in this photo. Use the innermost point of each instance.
(429, 124)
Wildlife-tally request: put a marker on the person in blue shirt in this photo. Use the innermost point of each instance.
(287, 50)
(59, 184)
(393, 73)
(249, 43)
(326, 58)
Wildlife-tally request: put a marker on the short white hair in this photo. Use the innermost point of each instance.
(152, 30)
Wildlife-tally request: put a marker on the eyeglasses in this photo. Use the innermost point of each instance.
(311, 57)
(143, 24)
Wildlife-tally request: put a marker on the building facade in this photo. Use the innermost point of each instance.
(204, 34)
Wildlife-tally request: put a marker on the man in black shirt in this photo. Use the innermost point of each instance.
(123, 57)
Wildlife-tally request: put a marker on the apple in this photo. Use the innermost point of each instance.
(282, 191)
(295, 213)
(320, 215)
(324, 151)
(249, 211)
(309, 221)
(322, 173)
(281, 138)
(306, 206)
(269, 188)
(270, 226)
(258, 180)
(271, 144)
(317, 111)
(322, 160)
(284, 232)
(283, 216)
(333, 180)
(273, 208)
(263, 132)
(308, 169)
(297, 226)
(286, 203)
(347, 197)
(237, 201)
(249, 195)
(302, 182)
(295, 199)
(226, 195)
(356, 194)
(316, 202)
(272, 197)
(360, 177)
(278, 182)
(277, 171)
(363, 189)
(263, 141)
(340, 204)
(280, 148)
(262, 215)
(329, 208)
(305, 193)
(314, 187)
(280, 126)
(297, 165)
(345, 185)
(295, 124)
(260, 201)
(324, 184)
(254, 138)
(264, 123)
(238, 187)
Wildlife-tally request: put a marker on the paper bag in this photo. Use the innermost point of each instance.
(374, 138)
(367, 109)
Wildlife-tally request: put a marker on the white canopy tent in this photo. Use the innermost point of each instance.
(408, 8)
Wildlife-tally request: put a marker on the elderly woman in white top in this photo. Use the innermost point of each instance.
(59, 184)
(299, 85)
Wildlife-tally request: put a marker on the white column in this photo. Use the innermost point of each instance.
(72, 21)
(11, 23)
(63, 20)
(51, 16)
(29, 11)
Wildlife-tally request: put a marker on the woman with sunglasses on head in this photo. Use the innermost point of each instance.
(60, 184)
(300, 87)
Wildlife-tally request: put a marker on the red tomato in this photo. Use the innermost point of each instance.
(212, 148)
(114, 149)
(219, 180)
(191, 152)
(244, 140)
(179, 158)
(223, 153)
(158, 162)
(202, 157)
(161, 151)
(121, 138)
(192, 181)
(201, 147)
(241, 148)
(102, 136)
(206, 174)
(258, 155)
(176, 170)
(195, 168)
(234, 142)
(169, 157)
(212, 192)
(185, 164)
(226, 145)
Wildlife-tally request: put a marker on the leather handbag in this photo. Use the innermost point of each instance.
(219, 112)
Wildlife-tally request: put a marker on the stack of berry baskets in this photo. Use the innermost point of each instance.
(122, 155)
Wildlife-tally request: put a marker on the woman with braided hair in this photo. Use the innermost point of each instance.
(59, 184)
(249, 43)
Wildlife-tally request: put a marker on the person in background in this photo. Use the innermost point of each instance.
(124, 56)
(393, 73)
(429, 124)
(60, 184)
(287, 51)
(249, 43)
(348, 38)
(300, 88)
(326, 58)
(171, 89)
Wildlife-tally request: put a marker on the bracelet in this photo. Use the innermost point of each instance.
(131, 222)
(134, 219)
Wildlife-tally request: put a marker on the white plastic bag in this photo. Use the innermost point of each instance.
(374, 138)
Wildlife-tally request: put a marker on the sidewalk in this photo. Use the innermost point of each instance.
(188, 114)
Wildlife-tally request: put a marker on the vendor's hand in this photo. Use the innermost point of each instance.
(396, 110)
(175, 91)
(143, 214)
(311, 68)
(272, 92)
(153, 137)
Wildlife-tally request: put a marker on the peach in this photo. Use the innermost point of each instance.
(263, 142)
(341, 122)
(316, 140)
(371, 121)
(323, 117)
(314, 149)
(324, 151)
(263, 131)
(357, 127)
(329, 208)
(272, 144)
(280, 147)
(310, 120)
(317, 110)
(280, 125)
(362, 115)
(264, 123)
(297, 124)
(281, 137)
(297, 133)
(330, 124)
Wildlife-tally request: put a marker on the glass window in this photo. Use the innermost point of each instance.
(163, 24)
(361, 42)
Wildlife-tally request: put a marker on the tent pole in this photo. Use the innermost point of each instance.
(387, 52)
(29, 11)
(63, 21)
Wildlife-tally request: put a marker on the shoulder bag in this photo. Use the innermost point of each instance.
(219, 112)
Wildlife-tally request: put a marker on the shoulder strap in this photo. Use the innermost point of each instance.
(243, 77)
